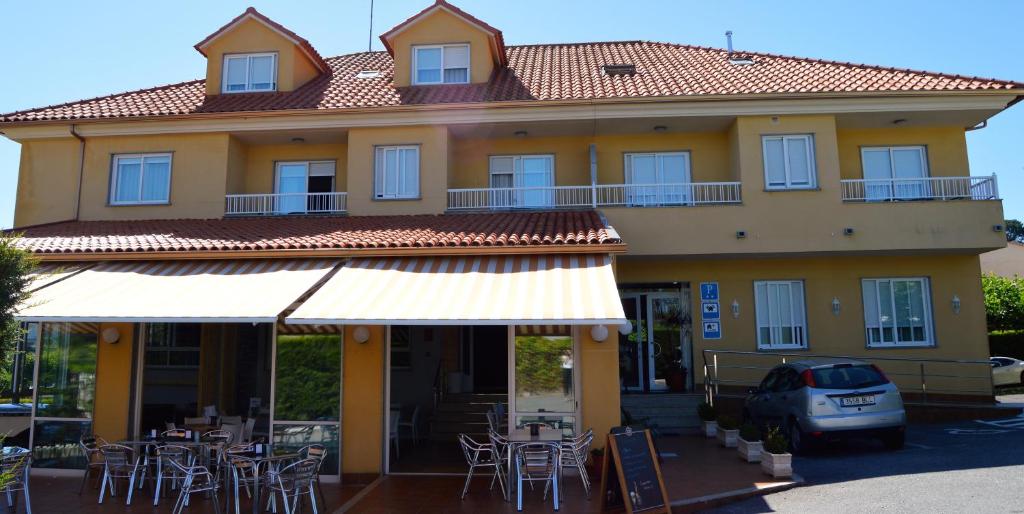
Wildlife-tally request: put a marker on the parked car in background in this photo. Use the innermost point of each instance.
(819, 400)
(1007, 371)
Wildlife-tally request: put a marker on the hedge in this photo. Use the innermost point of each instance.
(1008, 343)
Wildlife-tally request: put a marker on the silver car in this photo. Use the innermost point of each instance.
(816, 400)
(1007, 371)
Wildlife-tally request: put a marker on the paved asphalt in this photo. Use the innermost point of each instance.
(964, 467)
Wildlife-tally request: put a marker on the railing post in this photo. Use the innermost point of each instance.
(995, 187)
(714, 359)
(924, 386)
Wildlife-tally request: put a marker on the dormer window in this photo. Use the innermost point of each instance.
(440, 64)
(249, 72)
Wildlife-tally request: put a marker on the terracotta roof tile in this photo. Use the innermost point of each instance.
(535, 73)
(510, 229)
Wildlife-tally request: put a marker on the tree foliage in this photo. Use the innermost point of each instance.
(15, 266)
(1004, 302)
(308, 371)
(1014, 230)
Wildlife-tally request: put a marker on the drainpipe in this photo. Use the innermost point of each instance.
(81, 170)
(593, 175)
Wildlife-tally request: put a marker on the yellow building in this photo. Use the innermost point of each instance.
(372, 251)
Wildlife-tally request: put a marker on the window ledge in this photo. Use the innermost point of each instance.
(401, 199)
(902, 346)
(790, 189)
(138, 204)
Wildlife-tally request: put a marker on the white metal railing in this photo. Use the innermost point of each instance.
(599, 195)
(929, 188)
(285, 203)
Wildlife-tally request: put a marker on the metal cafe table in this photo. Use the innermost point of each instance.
(521, 437)
(259, 460)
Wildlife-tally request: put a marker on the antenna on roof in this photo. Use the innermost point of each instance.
(728, 41)
(369, 44)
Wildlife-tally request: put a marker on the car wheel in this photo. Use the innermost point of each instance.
(894, 440)
(798, 443)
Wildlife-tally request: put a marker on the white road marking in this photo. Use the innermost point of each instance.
(973, 431)
(1014, 423)
(921, 446)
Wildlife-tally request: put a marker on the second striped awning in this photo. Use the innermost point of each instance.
(468, 290)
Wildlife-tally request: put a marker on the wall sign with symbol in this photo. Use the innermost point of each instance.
(710, 311)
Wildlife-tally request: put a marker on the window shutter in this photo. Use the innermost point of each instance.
(774, 161)
(378, 173)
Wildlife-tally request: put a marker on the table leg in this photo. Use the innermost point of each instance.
(508, 474)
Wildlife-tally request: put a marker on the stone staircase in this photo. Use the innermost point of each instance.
(671, 413)
(463, 413)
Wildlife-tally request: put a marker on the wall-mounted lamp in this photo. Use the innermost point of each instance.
(626, 328)
(956, 304)
(298, 140)
(111, 335)
(735, 309)
(361, 334)
(836, 306)
(599, 333)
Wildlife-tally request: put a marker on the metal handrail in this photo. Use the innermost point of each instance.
(285, 203)
(920, 188)
(596, 195)
(713, 378)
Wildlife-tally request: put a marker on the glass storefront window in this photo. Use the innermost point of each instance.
(16, 379)
(56, 444)
(544, 377)
(292, 437)
(67, 370)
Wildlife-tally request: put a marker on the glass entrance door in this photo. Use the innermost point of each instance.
(630, 352)
(543, 381)
(664, 340)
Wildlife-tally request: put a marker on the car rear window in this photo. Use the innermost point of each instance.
(847, 377)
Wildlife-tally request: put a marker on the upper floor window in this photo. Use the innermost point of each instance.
(658, 178)
(781, 319)
(141, 179)
(249, 72)
(304, 186)
(789, 162)
(897, 312)
(895, 172)
(440, 64)
(532, 176)
(396, 172)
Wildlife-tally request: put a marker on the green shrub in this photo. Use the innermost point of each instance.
(706, 412)
(727, 422)
(749, 432)
(1004, 302)
(775, 442)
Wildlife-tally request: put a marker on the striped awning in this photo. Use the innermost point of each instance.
(225, 291)
(51, 273)
(468, 290)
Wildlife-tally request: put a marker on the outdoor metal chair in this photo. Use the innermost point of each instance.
(479, 455)
(15, 466)
(538, 462)
(412, 425)
(231, 420)
(90, 446)
(119, 462)
(178, 433)
(501, 448)
(243, 471)
(166, 458)
(292, 482)
(247, 428)
(318, 452)
(195, 479)
(393, 433)
(574, 455)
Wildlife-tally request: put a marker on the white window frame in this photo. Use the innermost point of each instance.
(379, 169)
(522, 198)
(799, 334)
(415, 61)
(308, 165)
(660, 194)
(115, 170)
(899, 188)
(929, 339)
(248, 82)
(812, 169)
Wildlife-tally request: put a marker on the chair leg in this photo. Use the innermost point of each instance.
(103, 484)
(85, 478)
(469, 477)
(519, 489)
(28, 499)
(159, 486)
(131, 488)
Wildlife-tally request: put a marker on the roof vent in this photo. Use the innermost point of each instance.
(619, 69)
(735, 58)
(368, 74)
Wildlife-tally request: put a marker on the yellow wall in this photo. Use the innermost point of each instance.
(262, 159)
(113, 383)
(362, 402)
(440, 27)
(946, 148)
(599, 382)
(958, 336)
(47, 181)
(433, 142)
(198, 176)
(293, 67)
(238, 164)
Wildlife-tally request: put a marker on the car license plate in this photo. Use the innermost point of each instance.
(857, 401)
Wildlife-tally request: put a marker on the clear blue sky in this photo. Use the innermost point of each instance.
(58, 52)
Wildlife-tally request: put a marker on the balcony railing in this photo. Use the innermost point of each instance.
(912, 189)
(285, 203)
(601, 195)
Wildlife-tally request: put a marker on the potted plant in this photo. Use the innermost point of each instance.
(776, 459)
(749, 444)
(707, 413)
(596, 462)
(728, 430)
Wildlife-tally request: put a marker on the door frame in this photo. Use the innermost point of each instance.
(640, 351)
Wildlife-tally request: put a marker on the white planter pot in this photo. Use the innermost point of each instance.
(750, 451)
(727, 438)
(710, 427)
(778, 465)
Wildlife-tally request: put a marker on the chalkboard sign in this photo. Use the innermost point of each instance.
(631, 477)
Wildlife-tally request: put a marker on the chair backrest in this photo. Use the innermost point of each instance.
(235, 430)
(299, 471)
(537, 457)
(247, 429)
(91, 446)
(231, 420)
(174, 432)
(202, 420)
(175, 453)
(219, 436)
(492, 420)
(14, 466)
(169, 426)
(394, 423)
(117, 455)
(313, 451)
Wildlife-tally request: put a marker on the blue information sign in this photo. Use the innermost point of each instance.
(709, 310)
(712, 329)
(709, 291)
